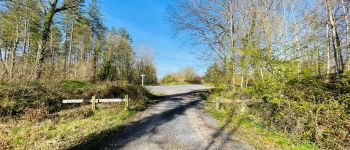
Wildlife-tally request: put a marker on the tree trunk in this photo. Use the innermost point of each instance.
(70, 47)
(1, 55)
(232, 45)
(44, 39)
(6, 54)
(65, 67)
(13, 54)
(25, 36)
(52, 61)
(328, 52)
(336, 41)
(347, 32)
(81, 48)
(296, 28)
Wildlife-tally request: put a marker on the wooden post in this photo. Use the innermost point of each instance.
(93, 103)
(126, 102)
(143, 78)
(217, 104)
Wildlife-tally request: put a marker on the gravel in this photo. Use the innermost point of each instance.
(176, 121)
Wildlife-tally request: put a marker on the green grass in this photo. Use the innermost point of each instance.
(72, 84)
(247, 128)
(62, 129)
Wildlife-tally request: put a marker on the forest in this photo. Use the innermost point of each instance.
(61, 49)
(292, 56)
(66, 41)
(280, 72)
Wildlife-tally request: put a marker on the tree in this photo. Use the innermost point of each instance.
(144, 65)
(347, 31)
(97, 29)
(49, 10)
(335, 36)
(125, 54)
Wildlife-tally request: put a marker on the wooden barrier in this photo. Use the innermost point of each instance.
(94, 101)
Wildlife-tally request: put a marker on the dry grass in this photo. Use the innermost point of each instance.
(61, 130)
(32, 116)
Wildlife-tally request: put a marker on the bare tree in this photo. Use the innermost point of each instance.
(335, 36)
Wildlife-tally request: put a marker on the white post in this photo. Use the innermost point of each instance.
(143, 76)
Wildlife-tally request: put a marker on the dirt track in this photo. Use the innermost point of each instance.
(175, 121)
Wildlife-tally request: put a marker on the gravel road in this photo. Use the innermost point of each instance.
(175, 121)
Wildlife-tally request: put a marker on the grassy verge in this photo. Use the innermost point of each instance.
(32, 116)
(63, 129)
(247, 128)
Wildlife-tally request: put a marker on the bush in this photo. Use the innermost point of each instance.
(169, 79)
(307, 109)
(195, 80)
(17, 99)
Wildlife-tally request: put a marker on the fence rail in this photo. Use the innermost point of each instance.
(75, 101)
(94, 101)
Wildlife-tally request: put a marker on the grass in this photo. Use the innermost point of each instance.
(72, 84)
(63, 129)
(247, 128)
(32, 116)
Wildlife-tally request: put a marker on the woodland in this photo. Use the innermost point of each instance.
(288, 61)
(52, 50)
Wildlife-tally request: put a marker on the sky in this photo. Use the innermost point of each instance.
(146, 21)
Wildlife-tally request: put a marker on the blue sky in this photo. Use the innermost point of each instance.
(146, 21)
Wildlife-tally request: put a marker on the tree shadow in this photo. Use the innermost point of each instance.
(225, 131)
(118, 137)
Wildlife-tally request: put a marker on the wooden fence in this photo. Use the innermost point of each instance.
(94, 101)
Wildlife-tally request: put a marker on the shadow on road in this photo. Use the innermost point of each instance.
(120, 136)
(222, 130)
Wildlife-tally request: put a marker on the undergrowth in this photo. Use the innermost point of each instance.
(43, 98)
(63, 129)
(304, 113)
(247, 128)
(33, 117)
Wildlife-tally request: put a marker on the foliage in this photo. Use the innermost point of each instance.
(17, 99)
(298, 103)
(248, 127)
(215, 74)
(169, 79)
(35, 44)
(307, 108)
(184, 76)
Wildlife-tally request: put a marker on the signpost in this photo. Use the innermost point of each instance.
(143, 77)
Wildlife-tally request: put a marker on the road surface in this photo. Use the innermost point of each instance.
(176, 121)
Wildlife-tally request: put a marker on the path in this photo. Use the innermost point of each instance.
(176, 121)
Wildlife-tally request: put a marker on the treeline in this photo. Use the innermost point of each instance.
(183, 76)
(66, 40)
(250, 40)
(292, 54)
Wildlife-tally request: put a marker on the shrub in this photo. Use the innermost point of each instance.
(307, 109)
(17, 99)
(169, 79)
(195, 80)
